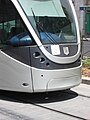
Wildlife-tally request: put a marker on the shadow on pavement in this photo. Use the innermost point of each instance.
(39, 98)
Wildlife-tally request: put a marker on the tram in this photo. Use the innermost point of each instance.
(40, 47)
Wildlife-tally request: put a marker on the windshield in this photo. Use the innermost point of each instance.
(52, 20)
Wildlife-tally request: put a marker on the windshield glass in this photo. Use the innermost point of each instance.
(52, 20)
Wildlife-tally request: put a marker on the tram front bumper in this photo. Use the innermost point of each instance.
(52, 80)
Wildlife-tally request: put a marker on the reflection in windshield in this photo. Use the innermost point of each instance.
(52, 20)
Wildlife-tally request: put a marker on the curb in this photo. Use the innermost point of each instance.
(86, 80)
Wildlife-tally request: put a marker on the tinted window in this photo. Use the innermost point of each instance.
(12, 29)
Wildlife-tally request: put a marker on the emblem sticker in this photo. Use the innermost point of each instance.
(66, 50)
(55, 49)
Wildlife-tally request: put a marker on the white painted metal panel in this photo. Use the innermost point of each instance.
(13, 74)
(51, 80)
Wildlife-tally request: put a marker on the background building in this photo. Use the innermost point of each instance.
(83, 12)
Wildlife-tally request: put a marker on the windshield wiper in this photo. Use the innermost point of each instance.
(35, 21)
(39, 27)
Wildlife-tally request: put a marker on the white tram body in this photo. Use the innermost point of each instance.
(40, 47)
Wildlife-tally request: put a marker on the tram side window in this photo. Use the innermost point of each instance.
(12, 30)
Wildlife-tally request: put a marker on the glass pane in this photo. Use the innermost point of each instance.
(43, 7)
(13, 32)
(52, 20)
